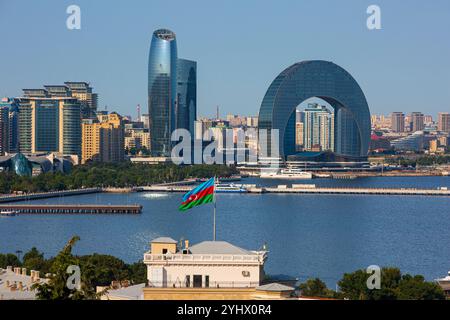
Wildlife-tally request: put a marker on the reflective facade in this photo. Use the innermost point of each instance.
(186, 111)
(327, 81)
(162, 86)
(50, 125)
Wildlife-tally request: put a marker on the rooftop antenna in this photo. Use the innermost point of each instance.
(217, 113)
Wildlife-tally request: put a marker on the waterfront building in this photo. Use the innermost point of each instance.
(413, 142)
(49, 123)
(186, 111)
(320, 79)
(398, 122)
(103, 138)
(318, 128)
(162, 89)
(84, 93)
(417, 121)
(444, 122)
(28, 165)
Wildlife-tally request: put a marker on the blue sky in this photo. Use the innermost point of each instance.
(240, 47)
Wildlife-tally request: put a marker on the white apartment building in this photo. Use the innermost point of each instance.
(209, 264)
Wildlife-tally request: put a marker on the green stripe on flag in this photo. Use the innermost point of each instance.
(206, 199)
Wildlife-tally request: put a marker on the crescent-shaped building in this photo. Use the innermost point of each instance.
(329, 82)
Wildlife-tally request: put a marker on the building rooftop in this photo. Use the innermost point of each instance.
(217, 247)
(127, 293)
(277, 287)
(164, 240)
(16, 285)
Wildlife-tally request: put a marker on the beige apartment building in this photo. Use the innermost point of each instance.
(103, 138)
(137, 138)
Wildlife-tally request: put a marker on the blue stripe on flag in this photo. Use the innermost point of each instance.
(199, 188)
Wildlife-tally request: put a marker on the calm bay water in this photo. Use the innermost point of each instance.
(307, 235)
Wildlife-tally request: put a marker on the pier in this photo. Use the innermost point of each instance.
(71, 209)
(312, 189)
(45, 195)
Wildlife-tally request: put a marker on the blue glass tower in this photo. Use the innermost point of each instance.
(329, 82)
(186, 112)
(162, 88)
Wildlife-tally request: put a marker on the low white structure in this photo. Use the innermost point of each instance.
(15, 284)
(209, 264)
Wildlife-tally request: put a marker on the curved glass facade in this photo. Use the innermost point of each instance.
(21, 165)
(327, 81)
(162, 86)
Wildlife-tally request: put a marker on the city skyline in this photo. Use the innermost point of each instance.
(125, 45)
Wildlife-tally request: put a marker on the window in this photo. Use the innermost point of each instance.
(188, 281)
(206, 281)
(164, 251)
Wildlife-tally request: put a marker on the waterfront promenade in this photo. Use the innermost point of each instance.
(312, 189)
(44, 195)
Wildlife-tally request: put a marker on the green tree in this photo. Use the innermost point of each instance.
(9, 259)
(416, 288)
(56, 288)
(34, 260)
(315, 288)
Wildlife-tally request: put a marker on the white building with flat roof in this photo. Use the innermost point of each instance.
(208, 264)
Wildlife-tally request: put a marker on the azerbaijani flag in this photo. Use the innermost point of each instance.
(204, 193)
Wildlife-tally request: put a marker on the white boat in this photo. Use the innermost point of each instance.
(288, 174)
(7, 213)
(230, 188)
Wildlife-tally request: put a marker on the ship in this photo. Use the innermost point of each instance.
(230, 188)
(288, 174)
(7, 213)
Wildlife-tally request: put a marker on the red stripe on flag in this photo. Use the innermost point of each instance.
(201, 194)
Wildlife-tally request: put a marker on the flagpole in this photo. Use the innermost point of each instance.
(214, 215)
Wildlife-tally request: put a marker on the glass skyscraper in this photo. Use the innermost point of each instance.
(329, 82)
(186, 95)
(49, 124)
(162, 88)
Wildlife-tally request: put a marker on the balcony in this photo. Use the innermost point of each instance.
(205, 258)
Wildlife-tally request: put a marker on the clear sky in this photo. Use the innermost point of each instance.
(240, 47)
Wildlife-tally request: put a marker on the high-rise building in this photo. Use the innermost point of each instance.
(304, 80)
(417, 121)
(88, 99)
(9, 126)
(299, 132)
(4, 130)
(103, 138)
(428, 120)
(444, 122)
(398, 121)
(49, 123)
(186, 111)
(318, 128)
(162, 88)
(137, 138)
